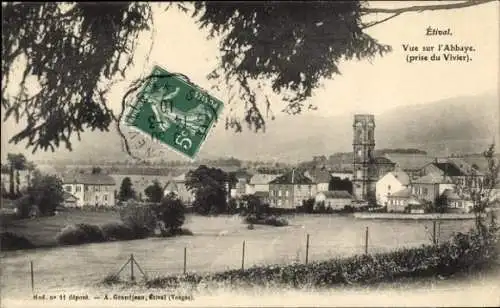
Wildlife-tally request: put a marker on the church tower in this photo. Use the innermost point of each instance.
(364, 169)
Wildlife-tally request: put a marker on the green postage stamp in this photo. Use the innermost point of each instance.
(173, 112)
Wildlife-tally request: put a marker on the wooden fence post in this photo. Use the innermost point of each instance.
(132, 267)
(434, 242)
(243, 257)
(366, 241)
(307, 249)
(185, 259)
(32, 278)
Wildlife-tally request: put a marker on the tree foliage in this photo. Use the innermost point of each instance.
(126, 190)
(76, 50)
(45, 194)
(171, 212)
(209, 188)
(16, 162)
(154, 192)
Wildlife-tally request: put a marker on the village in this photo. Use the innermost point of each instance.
(394, 182)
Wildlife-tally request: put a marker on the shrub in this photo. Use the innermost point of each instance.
(117, 231)
(140, 219)
(80, 234)
(276, 221)
(171, 212)
(12, 241)
(269, 220)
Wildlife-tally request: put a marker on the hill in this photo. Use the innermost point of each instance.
(455, 125)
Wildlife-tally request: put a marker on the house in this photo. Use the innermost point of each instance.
(69, 200)
(390, 183)
(289, 190)
(431, 186)
(91, 189)
(455, 203)
(177, 185)
(321, 177)
(336, 200)
(260, 182)
(242, 179)
(403, 200)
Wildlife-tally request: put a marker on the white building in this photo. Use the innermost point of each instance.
(336, 199)
(90, 189)
(260, 182)
(389, 184)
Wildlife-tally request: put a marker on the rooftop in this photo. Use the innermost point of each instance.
(336, 194)
(319, 176)
(262, 178)
(402, 177)
(292, 177)
(433, 178)
(409, 161)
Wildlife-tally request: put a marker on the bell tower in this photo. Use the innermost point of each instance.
(364, 171)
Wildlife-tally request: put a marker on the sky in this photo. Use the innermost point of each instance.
(364, 86)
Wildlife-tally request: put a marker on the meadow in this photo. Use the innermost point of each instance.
(216, 245)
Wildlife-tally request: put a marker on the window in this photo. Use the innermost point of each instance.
(279, 193)
(68, 188)
(286, 193)
(97, 188)
(96, 198)
(78, 188)
(279, 202)
(105, 197)
(425, 191)
(388, 187)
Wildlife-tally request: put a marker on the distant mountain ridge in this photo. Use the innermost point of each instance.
(455, 125)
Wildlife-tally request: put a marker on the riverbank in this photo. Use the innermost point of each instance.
(403, 216)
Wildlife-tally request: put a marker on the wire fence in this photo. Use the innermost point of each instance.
(225, 255)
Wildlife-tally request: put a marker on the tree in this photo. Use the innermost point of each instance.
(16, 162)
(46, 193)
(96, 170)
(100, 39)
(126, 190)
(209, 188)
(141, 219)
(171, 212)
(308, 205)
(440, 204)
(254, 206)
(154, 192)
(479, 188)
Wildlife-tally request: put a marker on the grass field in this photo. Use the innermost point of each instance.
(42, 231)
(216, 245)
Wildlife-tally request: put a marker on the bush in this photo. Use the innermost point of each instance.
(269, 220)
(12, 241)
(80, 234)
(140, 219)
(171, 212)
(117, 231)
(276, 221)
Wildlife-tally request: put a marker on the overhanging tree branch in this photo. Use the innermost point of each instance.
(421, 8)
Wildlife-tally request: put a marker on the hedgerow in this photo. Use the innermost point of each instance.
(462, 252)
